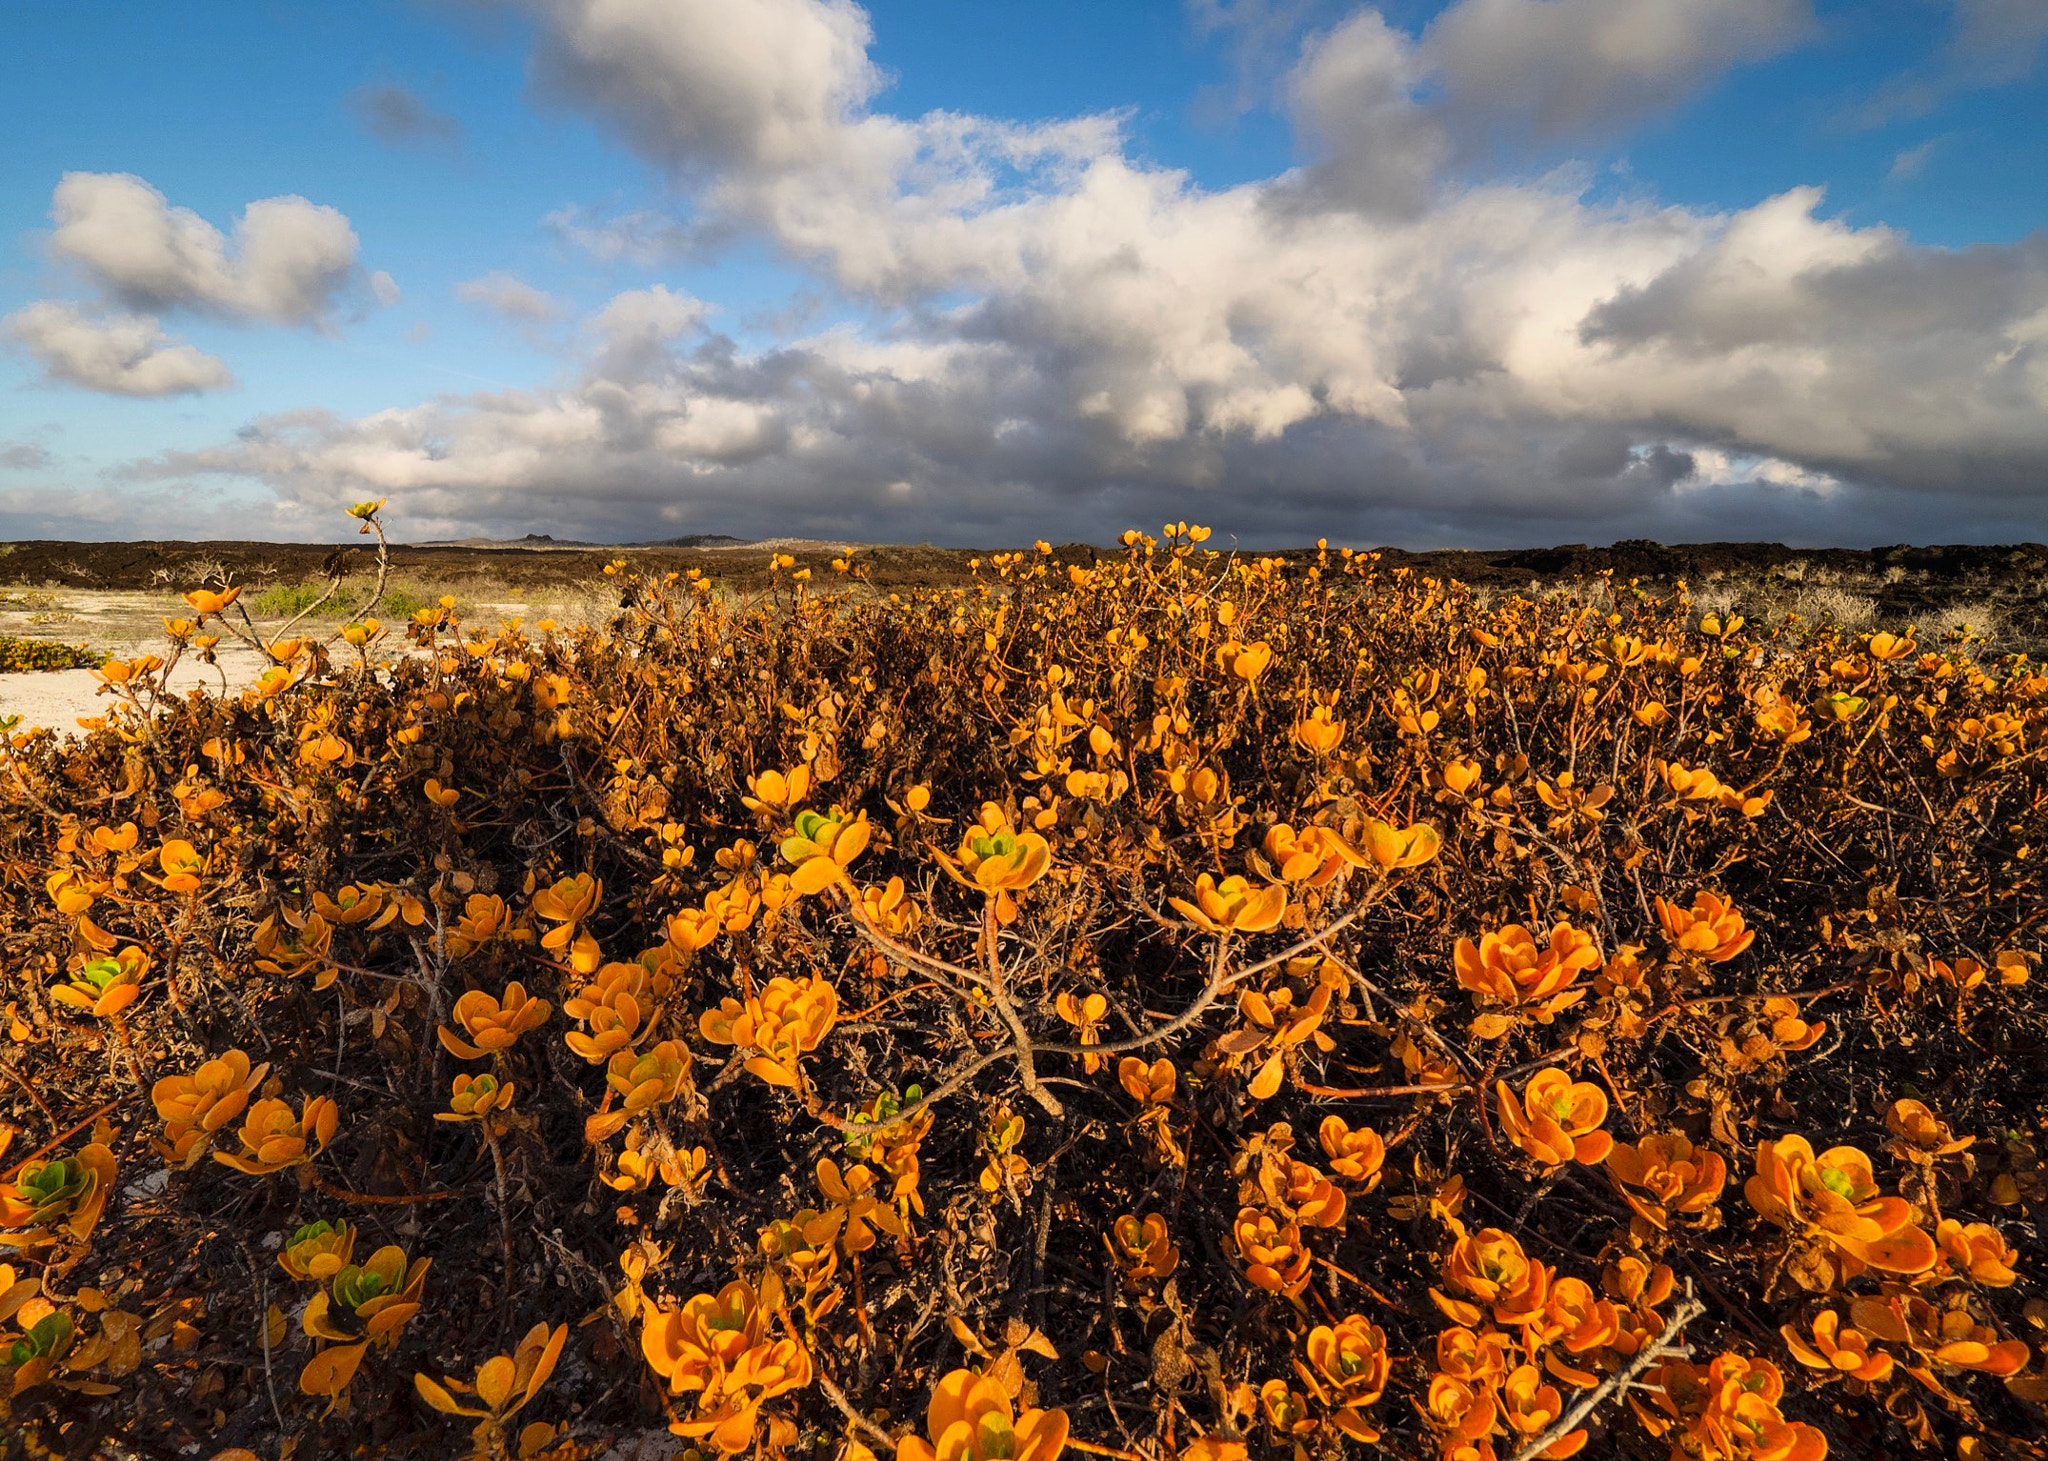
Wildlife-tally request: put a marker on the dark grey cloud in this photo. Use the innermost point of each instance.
(400, 117)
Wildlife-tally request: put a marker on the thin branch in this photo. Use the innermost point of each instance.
(1684, 1314)
(838, 1397)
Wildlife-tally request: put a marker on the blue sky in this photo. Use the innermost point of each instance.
(1269, 281)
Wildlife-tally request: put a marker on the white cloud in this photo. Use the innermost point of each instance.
(1533, 71)
(287, 262)
(707, 84)
(510, 298)
(23, 456)
(1064, 339)
(126, 355)
(632, 336)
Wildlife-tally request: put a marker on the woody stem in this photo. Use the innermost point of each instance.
(1684, 1314)
(504, 1231)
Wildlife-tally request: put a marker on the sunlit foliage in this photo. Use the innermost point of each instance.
(1155, 1004)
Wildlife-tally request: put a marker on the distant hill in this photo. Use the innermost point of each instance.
(531, 540)
(695, 540)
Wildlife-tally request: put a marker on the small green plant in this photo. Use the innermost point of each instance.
(285, 600)
(400, 602)
(282, 600)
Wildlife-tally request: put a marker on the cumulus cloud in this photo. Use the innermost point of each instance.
(286, 263)
(23, 456)
(125, 355)
(398, 117)
(709, 85)
(1061, 339)
(510, 298)
(1354, 96)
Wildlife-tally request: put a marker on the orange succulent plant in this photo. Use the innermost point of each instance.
(273, 1137)
(1488, 1270)
(1977, 1251)
(504, 1385)
(1832, 1197)
(195, 1106)
(1556, 1119)
(1356, 1154)
(782, 1024)
(1275, 1257)
(56, 1199)
(1726, 1408)
(778, 791)
(484, 918)
(1142, 1248)
(318, 1251)
(891, 908)
(105, 986)
(1344, 1369)
(1148, 1085)
(998, 861)
(1232, 906)
(856, 1204)
(717, 1348)
(651, 1078)
(474, 1097)
(1314, 855)
(1664, 1177)
(1836, 1351)
(1944, 1338)
(1712, 928)
(1509, 968)
(823, 846)
(971, 1418)
(493, 1023)
(567, 904)
(1138, 721)
(1530, 1406)
(1319, 732)
(614, 1007)
(1085, 1014)
(1391, 847)
(362, 1306)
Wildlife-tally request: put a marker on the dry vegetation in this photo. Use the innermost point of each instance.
(1173, 1005)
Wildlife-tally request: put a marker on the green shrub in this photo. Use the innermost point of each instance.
(17, 655)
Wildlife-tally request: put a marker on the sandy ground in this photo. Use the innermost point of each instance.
(131, 623)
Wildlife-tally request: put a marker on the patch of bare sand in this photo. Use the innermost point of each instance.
(125, 623)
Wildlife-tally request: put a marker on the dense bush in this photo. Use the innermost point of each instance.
(1176, 1004)
(18, 655)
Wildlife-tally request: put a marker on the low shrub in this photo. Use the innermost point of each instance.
(18, 655)
(1159, 1005)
